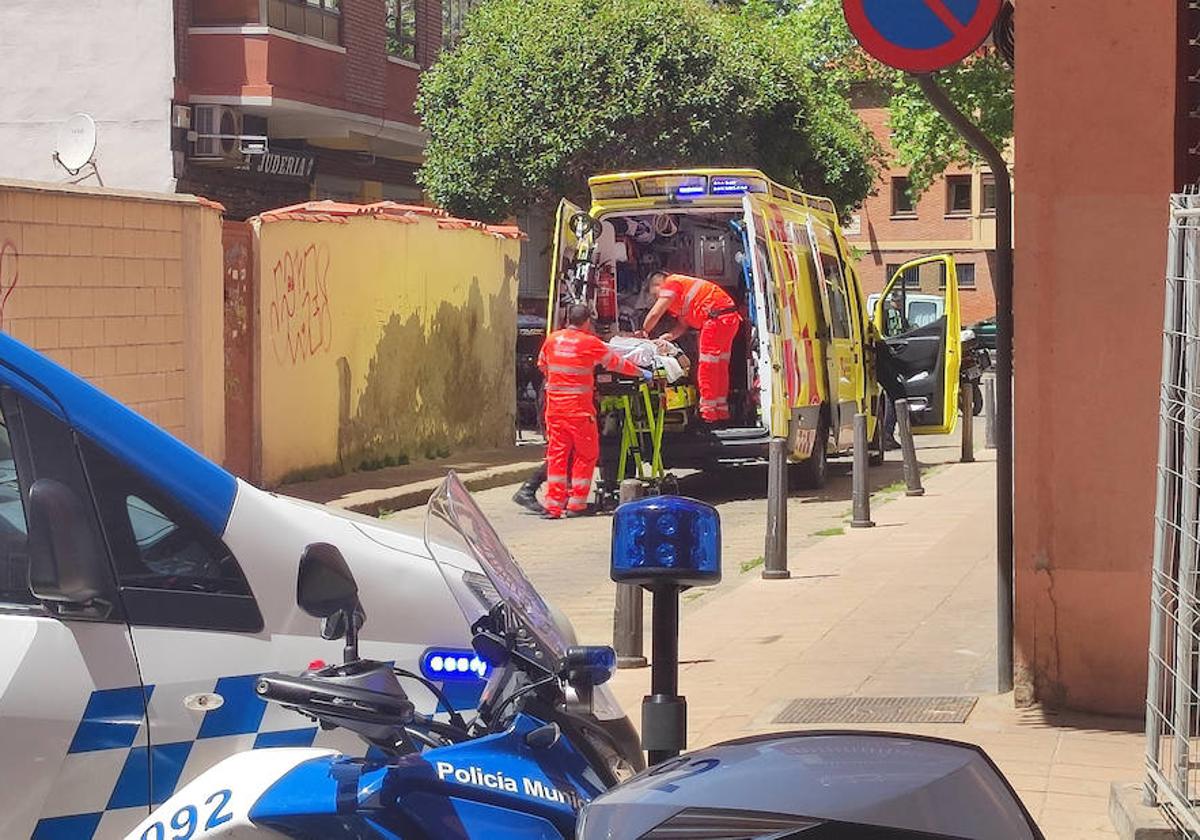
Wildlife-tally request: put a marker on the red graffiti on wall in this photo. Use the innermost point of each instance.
(8, 274)
(299, 318)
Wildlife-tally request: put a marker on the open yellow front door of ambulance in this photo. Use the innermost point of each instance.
(562, 261)
(918, 324)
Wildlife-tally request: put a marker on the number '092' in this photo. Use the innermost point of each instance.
(186, 820)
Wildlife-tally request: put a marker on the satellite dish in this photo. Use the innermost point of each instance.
(76, 143)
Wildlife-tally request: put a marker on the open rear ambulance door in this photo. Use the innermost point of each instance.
(767, 339)
(922, 349)
(564, 248)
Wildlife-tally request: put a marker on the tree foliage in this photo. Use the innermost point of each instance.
(540, 94)
(981, 87)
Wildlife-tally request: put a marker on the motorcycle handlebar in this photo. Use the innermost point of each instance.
(318, 697)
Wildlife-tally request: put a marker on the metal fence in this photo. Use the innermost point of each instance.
(1173, 694)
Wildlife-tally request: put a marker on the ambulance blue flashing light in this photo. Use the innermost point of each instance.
(445, 664)
(666, 539)
(690, 189)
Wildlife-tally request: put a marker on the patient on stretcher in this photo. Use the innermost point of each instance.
(659, 354)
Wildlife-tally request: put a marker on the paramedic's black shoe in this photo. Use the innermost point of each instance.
(590, 510)
(528, 500)
(890, 444)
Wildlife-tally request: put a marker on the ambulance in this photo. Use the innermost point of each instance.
(143, 590)
(805, 361)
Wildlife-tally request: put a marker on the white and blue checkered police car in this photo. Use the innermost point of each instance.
(142, 590)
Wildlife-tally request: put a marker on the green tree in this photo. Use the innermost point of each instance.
(981, 86)
(540, 94)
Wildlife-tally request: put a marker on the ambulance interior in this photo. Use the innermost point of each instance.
(700, 243)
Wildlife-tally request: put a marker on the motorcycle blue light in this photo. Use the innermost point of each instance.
(666, 538)
(589, 665)
(439, 664)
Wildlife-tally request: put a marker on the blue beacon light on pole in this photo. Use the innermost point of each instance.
(666, 544)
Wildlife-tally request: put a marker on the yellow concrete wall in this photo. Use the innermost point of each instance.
(381, 341)
(124, 289)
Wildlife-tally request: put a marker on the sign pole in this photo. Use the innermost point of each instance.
(1002, 280)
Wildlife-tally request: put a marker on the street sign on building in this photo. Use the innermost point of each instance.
(921, 36)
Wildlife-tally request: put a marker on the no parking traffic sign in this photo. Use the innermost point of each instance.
(920, 36)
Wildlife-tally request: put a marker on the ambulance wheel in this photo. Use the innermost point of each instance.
(875, 450)
(812, 472)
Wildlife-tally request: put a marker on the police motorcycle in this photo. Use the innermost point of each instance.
(534, 764)
(547, 736)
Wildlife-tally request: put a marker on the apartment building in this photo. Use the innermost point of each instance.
(253, 103)
(955, 215)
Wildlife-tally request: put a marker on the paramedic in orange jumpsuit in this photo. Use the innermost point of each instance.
(706, 307)
(568, 360)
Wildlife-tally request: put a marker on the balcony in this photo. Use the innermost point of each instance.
(311, 71)
(320, 20)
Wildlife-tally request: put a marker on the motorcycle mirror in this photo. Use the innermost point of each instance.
(325, 585)
(325, 588)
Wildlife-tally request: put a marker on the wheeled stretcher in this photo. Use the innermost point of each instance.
(633, 416)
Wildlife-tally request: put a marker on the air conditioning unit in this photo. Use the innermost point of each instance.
(218, 135)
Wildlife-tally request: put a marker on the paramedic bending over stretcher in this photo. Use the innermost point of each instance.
(706, 307)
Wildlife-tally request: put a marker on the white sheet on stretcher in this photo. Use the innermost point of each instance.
(643, 352)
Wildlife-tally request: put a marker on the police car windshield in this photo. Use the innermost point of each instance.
(456, 529)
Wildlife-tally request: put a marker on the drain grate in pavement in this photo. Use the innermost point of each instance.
(877, 710)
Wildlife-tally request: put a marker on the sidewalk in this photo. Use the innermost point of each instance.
(381, 491)
(905, 609)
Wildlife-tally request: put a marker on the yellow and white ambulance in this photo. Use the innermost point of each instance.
(804, 362)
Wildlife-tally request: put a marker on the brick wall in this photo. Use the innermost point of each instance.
(429, 31)
(117, 287)
(886, 238)
(364, 35)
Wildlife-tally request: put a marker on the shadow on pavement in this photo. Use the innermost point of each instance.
(749, 481)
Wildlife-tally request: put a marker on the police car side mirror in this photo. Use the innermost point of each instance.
(66, 559)
(325, 588)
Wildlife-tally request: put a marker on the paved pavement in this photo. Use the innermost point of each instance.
(904, 609)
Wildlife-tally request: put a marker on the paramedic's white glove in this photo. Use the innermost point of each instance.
(647, 375)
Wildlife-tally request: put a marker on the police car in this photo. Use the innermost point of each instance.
(143, 589)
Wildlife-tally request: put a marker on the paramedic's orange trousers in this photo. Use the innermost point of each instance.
(712, 374)
(566, 436)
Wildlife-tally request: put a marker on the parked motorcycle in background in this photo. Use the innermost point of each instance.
(549, 753)
(975, 360)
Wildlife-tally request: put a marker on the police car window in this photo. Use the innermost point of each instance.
(14, 561)
(155, 545)
(922, 313)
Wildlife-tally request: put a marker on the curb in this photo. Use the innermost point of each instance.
(405, 496)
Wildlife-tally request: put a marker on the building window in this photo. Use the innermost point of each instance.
(402, 29)
(989, 193)
(958, 195)
(454, 16)
(902, 203)
(966, 276)
(320, 19)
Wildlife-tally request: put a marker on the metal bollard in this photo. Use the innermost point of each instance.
(908, 447)
(966, 401)
(989, 413)
(775, 559)
(627, 614)
(862, 486)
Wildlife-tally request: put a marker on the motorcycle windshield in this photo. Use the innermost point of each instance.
(457, 532)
